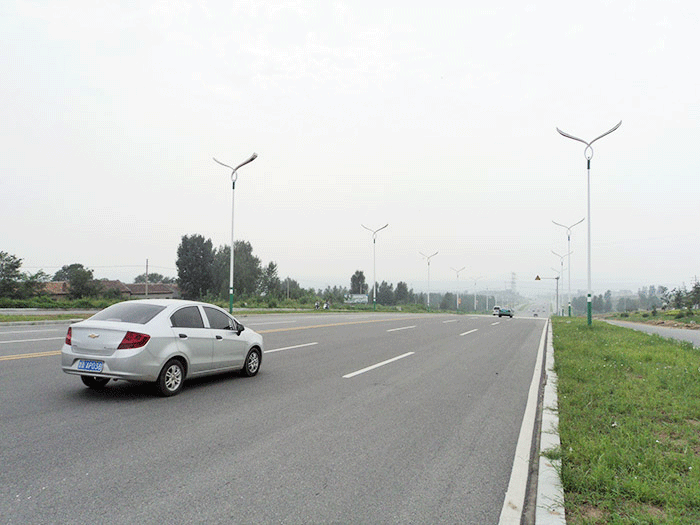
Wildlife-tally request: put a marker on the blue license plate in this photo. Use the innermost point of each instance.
(90, 366)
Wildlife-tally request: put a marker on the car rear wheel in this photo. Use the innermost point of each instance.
(252, 363)
(171, 378)
(94, 381)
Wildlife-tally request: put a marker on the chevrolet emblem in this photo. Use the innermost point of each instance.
(93, 336)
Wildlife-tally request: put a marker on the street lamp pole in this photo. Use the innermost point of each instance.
(568, 237)
(457, 298)
(374, 263)
(538, 278)
(561, 273)
(588, 153)
(234, 177)
(428, 257)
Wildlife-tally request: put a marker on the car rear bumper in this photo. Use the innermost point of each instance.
(129, 365)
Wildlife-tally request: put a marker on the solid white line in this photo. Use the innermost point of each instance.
(288, 348)
(469, 332)
(32, 340)
(402, 328)
(514, 500)
(353, 374)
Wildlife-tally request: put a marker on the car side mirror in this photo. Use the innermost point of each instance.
(239, 328)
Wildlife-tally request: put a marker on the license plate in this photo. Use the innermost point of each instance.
(90, 366)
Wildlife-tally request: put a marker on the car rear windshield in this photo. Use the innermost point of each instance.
(129, 313)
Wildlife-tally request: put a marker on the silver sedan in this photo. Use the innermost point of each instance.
(160, 341)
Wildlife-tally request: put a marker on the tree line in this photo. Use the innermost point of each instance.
(647, 298)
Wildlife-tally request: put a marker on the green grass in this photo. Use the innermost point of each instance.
(629, 422)
(43, 317)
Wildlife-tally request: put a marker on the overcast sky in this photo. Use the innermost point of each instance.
(439, 120)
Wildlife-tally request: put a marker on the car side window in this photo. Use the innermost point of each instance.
(188, 317)
(218, 320)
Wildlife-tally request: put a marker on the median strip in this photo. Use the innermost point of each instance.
(358, 372)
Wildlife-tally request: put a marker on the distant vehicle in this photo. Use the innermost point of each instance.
(161, 341)
(505, 311)
(496, 309)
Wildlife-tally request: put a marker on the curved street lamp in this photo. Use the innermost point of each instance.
(588, 153)
(568, 262)
(428, 257)
(538, 278)
(234, 177)
(374, 263)
(561, 273)
(457, 272)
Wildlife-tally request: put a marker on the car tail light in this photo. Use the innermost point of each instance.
(69, 336)
(133, 340)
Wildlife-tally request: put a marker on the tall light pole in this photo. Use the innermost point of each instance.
(475, 280)
(538, 278)
(457, 298)
(374, 263)
(234, 176)
(428, 257)
(561, 273)
(568, 238)
(588, 153)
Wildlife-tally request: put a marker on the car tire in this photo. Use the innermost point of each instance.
(95, 382)
(171, 378)
(252, 363)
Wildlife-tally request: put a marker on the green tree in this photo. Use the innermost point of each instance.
(247, 269)
(448, 302)
(33, 284)
(385, 294)
(195, 262)
(220, 271)
(82, 284)
(357, 283)
(154, 278)
(270, 284)
(80, 280)
(9, 275)
(401, 294)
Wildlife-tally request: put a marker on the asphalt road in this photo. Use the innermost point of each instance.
(321, 435)
(681, 334)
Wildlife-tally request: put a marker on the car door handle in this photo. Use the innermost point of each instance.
(183, 336)
(219, 337)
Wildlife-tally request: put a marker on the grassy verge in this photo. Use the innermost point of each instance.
(47, 317)
(629, 422)
(678, 318)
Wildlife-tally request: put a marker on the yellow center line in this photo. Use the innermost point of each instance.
(26, 356)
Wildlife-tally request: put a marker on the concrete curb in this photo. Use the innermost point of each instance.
(550, 493)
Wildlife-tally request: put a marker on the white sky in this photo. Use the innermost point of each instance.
(439, 120)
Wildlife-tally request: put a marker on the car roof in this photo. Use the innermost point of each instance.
(170, 302)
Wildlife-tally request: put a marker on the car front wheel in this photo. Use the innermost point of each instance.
(252, 363)
(171, 378)
(95, 382)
